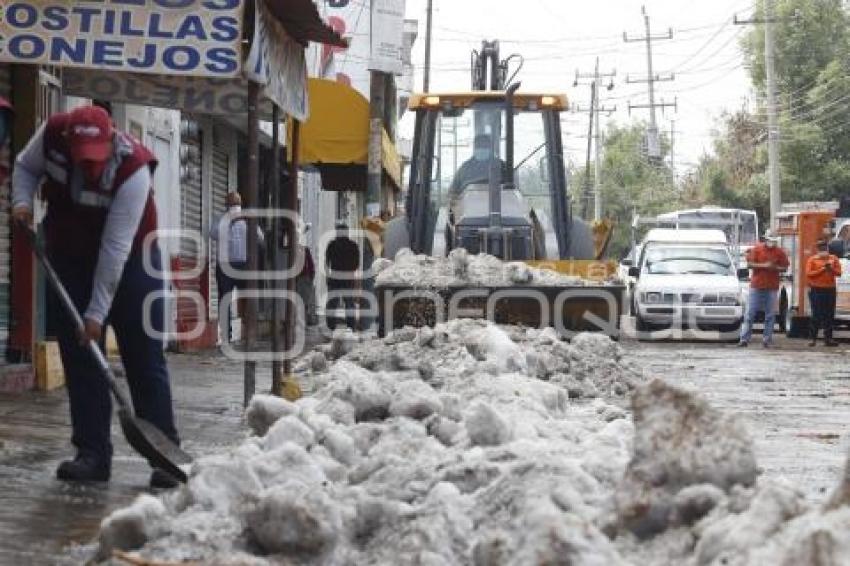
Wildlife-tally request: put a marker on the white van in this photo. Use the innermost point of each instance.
(687, 278)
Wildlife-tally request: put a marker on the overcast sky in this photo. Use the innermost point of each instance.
(558, 37)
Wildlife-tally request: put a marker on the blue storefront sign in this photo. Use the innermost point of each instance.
(168, 37)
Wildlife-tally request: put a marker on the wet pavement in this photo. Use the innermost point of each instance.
(796, 402)
(40, 516)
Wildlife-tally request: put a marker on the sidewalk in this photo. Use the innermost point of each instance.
(40, 516)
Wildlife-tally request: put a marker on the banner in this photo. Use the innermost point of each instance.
(351, 18)
(189, 94)
(387, 36)
(222, 97)
(164, 37)
(277, 62)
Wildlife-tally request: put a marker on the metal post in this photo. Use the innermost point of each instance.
(377, 106)
(774, 173)
(426, 78)
(251, 197)
(585, 201)
(673, 148)
(276, 240)
(454, 129)
(597, 189)
(291, 205)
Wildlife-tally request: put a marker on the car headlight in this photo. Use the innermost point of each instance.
(650, 298)
(730, 299)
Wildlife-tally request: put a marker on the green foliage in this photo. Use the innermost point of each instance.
(812, 41)
(631, 184)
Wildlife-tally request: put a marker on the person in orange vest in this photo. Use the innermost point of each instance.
(821, 271)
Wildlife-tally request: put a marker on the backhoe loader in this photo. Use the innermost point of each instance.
(488, 176)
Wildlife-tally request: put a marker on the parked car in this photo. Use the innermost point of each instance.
(687, 277)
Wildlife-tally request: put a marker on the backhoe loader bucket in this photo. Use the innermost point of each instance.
(595, 308)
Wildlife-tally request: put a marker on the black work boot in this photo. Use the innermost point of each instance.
(83, 468)
(160, 479)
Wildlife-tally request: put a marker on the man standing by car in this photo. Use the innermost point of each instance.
(767, 261)
(821, 271)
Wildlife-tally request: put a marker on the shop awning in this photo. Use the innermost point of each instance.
(335, 139)
(302, 21)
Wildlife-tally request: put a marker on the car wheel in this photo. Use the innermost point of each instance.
(642, 327)
(734, 330)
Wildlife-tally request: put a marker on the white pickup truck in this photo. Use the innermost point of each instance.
(688, 278)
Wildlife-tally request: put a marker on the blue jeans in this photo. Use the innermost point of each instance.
(142, 355)
(760, 300)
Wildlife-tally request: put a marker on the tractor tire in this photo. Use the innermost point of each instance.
(396, 237)
(581, 240)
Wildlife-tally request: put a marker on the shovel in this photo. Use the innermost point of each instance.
(146, 439)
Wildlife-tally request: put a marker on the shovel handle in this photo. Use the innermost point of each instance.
(71, 310)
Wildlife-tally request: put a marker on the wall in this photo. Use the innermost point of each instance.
(159, 130)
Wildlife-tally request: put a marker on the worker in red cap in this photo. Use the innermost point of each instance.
(101, 222)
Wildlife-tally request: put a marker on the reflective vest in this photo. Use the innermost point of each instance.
(76, 211)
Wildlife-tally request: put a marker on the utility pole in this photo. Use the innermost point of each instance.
(673, 148)
(585, 204)
(596, 109)
(653, 144)
(426, 79)
(774, 170)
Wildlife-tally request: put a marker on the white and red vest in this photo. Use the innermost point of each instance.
(76, 212)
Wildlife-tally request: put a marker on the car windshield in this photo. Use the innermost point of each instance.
(687, 260)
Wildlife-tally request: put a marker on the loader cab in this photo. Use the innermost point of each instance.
(480, 183)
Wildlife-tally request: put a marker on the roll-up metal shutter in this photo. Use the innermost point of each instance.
(220, 185)
(191, 217)
(5, 232)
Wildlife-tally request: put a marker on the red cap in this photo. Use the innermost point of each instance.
(89, 134)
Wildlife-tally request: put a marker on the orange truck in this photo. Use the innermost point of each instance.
(800, 226)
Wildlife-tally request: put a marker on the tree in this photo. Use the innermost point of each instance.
(631, 184)
(813, 85)
(809, 35)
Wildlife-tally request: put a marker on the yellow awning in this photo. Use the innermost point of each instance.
(335, 138)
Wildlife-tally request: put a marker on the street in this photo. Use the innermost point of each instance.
(796, 402)
(40, 516)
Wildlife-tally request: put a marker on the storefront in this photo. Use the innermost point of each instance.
(204, 75)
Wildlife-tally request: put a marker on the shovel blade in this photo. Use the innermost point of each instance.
(159, 450)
